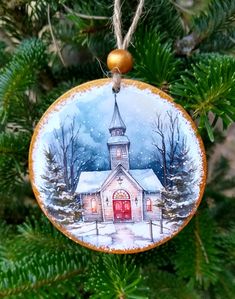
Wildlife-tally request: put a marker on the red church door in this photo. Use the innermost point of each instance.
(122, 210)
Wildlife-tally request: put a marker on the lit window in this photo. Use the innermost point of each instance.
(149, 205)
(118, 153)
(93, 205)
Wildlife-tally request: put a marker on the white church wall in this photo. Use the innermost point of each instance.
(89, 211)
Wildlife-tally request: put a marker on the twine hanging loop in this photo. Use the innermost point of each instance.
(123, 42)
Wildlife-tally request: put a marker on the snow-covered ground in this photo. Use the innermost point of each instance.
(123, 236)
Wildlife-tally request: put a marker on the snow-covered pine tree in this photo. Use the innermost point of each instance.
(177, 198)
(62, 204)
(52, 178)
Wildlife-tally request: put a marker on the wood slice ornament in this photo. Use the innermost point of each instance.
(118, 170)
(121, 173)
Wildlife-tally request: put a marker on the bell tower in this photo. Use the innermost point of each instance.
(118, 142)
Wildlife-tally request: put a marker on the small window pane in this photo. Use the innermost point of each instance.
(93, 205)
(149, 205)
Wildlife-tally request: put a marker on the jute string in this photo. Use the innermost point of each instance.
(123, 43)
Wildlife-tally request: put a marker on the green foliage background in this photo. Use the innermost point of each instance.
(49, 46)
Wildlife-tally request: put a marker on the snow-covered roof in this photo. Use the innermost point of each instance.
(118, 139)
(92, 181)
(117, 122)
(147, 179)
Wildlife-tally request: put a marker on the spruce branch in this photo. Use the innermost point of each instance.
(202, 246)
(13, 161)
(85, 16)
(50, 260)
(155, 62)
(39, 235)
(117, 277)
(38, 272)
(168, 285)
(53, 37)
(93, 33)
(218, 17)
(225, 288)
(22, 19)
(203, 264)
(212, 30)
(164, 16)
(17, 77)
(208, 87)
(219, 193)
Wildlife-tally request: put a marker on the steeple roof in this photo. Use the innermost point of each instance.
(116, 122)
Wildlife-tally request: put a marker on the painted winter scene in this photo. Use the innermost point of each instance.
(117, 172)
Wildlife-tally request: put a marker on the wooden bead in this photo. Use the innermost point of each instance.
(120, 60)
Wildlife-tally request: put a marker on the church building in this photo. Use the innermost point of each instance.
(120, 194)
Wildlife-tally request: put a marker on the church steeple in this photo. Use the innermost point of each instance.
(118, 143)
(117, 122)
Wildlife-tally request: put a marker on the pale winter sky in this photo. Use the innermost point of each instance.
(93, 110)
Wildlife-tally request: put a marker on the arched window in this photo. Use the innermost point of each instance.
(118, 153)
(149, 206)
(121, 194)
(93, 205)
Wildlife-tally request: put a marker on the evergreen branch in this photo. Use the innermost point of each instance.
(40, 235)
(220, 180)
(92, 32)
(168, 285)
(41, 271)
(53, 37)
(14, 144)
(200, 250)
(6, 231)
(209, 87)
(47, 99)
(155, 62)
(222, 42)
(16, 78)
(116, 277)
(13, 160)
(84, 16)
(202, 246)
(21, 19)
(219, 193)
(227, 242)
(164, 16)
(212, 30)
(160, 256)
(50, 260)
(20, 115)
(203, 266)
(34, 286)
(4, 55)
(225, 287)
(219, 16)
